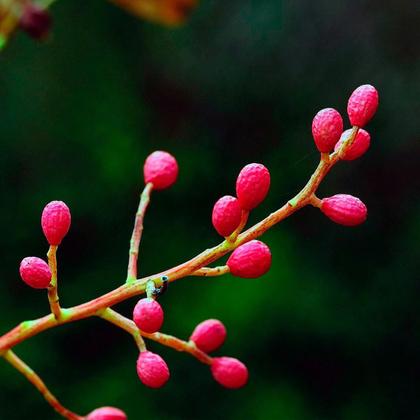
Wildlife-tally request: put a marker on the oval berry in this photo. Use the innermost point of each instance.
(250, 260)
(161, 169)
(55, 221)
(107, 413)
(209, 335)
(229, 372)
(252, 185)
(362, 105)
(152, 369)
(148, 315)
(327, 127)
(359, 146)
(35, 272)
(226, 215)
(344, 209)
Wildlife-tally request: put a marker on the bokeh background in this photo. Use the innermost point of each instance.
(333, 331)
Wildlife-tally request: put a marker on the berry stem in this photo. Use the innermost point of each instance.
(137, 233)
(53, 287)
(37, 382)
(211, 271)
(244, 220)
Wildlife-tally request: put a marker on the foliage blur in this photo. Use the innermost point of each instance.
(333, 331)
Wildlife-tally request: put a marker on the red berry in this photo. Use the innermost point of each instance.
(55, 221)
(252, 185)
(229, 372)
(152, 369)
(359, 146)
(226, 215)
(209, 335)
(107, 413)
(344, 209)
(327, 127)
(148, 315)
(362, 105)
(250, 260)
(161, 169)
(35, 272)
(35, 21)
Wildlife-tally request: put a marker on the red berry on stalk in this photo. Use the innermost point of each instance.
(55, 221)
(209, 335)
(161, 169)
(226, 215)
(362, 105)
(344, 209)
(152, 370)
(250, 260)
(148, 315)
(327, 127)
(229, 372)
(359, 146)
(35, 272)
(35, 21)
(252, 185)
(107, 413)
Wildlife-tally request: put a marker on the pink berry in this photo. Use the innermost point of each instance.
(327, 127)
(226, 215)
(229, 372)
(152, 369)
(161, 169)
(250, 260)
(107, 413)
(35, 272)
(35, 21)
(148, 315)
(55, 221)
(362, 105)
(252, 185)
(209, 335)
(344, 209)
(359, 146)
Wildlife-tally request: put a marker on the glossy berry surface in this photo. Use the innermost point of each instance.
(148, 315)
(226, 215)
(344, 209)
(250, 260)
(107, 413)
(229, 372)
(252, 185)
(152, 369)
(35, 272)
(362, 105)
(327, 127)
(55, 221)
(359, 146)
(209, 335)
(161, 169)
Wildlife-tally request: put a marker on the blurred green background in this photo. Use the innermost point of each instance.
(333, 331)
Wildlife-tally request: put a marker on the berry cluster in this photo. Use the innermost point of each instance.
(249, 258)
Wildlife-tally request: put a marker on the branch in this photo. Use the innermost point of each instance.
(53, 288)
(211, 271)
(37, 382)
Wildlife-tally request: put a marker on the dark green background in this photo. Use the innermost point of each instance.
(333, 331)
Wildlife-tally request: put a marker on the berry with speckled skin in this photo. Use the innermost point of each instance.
(55, 221)
(362, 105)
(229, 372)
(35, 272)
(344, 209)
(107, 413)
(226, 215)
(327, 127)
(250, 260)
(152, 369)
(148, 315)
(209, 335)
(359, 146)
(252, 185)
(161, 169)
